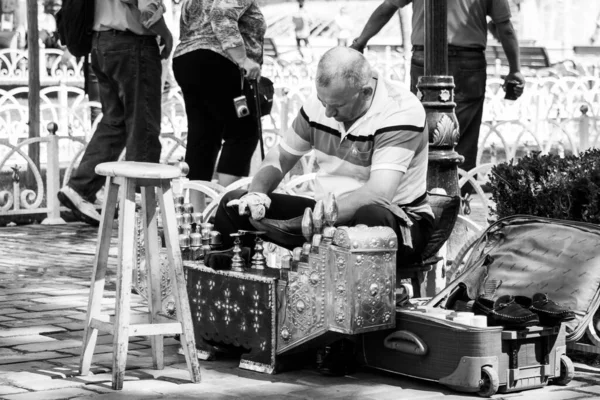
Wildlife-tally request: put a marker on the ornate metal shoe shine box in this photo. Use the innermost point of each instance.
(344, 286)
(235, 308)
(362, 273)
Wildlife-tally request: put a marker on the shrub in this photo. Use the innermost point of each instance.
(549, 186)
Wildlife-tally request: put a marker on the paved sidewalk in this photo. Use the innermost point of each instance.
(44, 281)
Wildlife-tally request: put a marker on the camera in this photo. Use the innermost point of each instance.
(241, 106)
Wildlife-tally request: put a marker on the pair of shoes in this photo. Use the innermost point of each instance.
(336, 359)
(81, 208)
(506, 312)
(549, 312)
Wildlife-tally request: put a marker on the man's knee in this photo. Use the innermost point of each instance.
(373, 215)
(233, 195)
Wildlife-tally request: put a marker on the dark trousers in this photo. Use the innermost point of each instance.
(128, 69)
(469, 71)
(287, 207)
(209, 83)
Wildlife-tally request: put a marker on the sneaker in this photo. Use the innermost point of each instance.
(100, 194)
(82, 209)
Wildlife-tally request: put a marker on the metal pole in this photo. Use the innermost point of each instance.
(52, 178)
(33, 48)
(436, 38)
(436, 91)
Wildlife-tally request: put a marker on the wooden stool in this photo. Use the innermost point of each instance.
(148, 176)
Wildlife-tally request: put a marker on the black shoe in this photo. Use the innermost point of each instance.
(336, 359)
(82, 209)
(549, 312)
(505, 312)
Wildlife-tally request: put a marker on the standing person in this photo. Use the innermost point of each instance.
(301, 27)
(127, 62)
(344, 26)
(47, 27)
(467, 40)
(220, 50)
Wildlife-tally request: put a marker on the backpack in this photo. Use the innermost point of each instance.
(74, 22)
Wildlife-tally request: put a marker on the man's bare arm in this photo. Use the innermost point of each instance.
(276, 164)
(377, 20)
(379, 190)
(508, 38)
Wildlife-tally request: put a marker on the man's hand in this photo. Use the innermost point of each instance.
(254, 203)
(516, 77)
(357, 45)
(251, 69)
(167, 42)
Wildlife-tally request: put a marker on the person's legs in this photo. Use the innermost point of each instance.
(139, 84)
(108, 140)
(204, 134)
(417, 69)
(92, 89)
(469, 72)
(240, 139)
(209, 82)
(420, 231)
(128, 70)
(283, 207)
(469, 116)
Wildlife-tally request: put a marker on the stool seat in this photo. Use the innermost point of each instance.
(132, 169)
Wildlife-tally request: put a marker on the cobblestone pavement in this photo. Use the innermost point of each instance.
(44, 281)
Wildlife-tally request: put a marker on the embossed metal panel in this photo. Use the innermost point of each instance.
(237, 308)
(362, 270)
(303, 317)
(139, 278)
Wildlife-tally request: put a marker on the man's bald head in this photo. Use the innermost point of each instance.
(345, 64)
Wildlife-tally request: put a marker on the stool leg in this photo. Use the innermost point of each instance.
(123, 293)
(167, 208)
(98, 273)
(153, 272)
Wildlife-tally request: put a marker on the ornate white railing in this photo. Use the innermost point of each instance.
(558, 114)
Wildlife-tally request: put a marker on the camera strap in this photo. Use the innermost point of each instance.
(242, 79)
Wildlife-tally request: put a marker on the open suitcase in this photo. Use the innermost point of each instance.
(523, 255)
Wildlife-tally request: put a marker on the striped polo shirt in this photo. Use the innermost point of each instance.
(391, 135)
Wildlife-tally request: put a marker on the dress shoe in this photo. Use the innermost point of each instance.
(549, 312)
(505, 312)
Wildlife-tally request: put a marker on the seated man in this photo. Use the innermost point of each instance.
(371, 150)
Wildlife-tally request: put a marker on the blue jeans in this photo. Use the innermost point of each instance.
(469, 71)
(128, 68)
